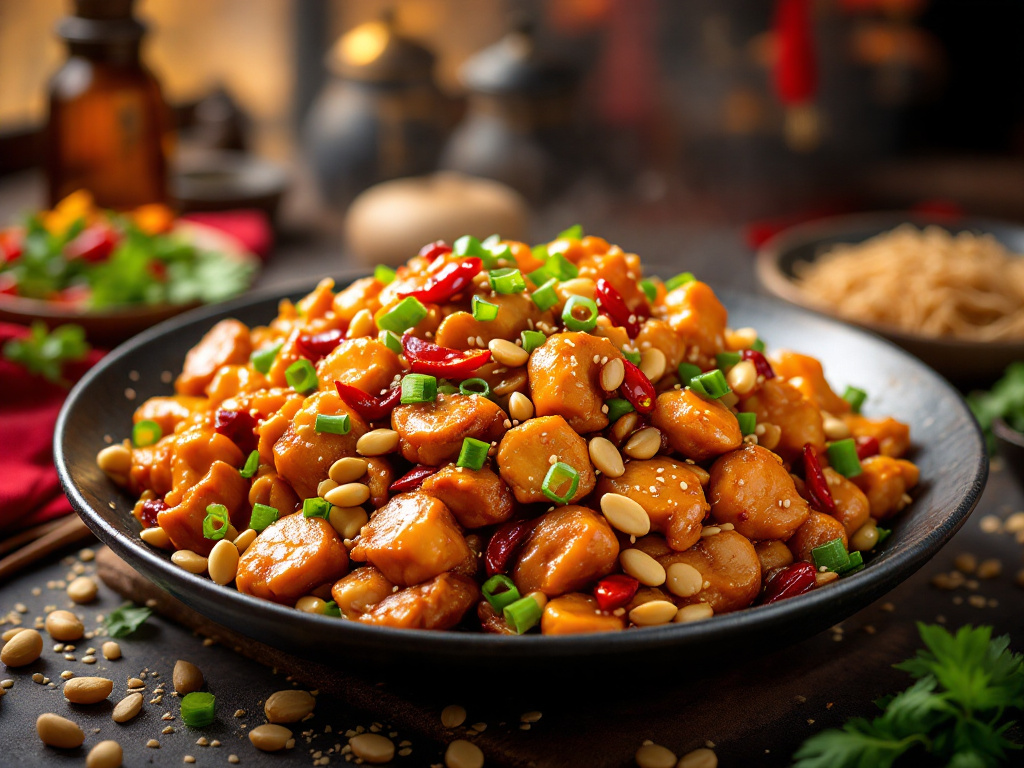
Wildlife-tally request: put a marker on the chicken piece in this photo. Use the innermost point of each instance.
(780, 403)
(379, 476)
(227, 343)
(432, 433)
(413, 538)
(438, 604)
(885, 481)
(773, 554)
(233, 380)
(291, 558)
(195, 451)
(262, 403)
(477, 497)
(696, 428)
(817, 530)
(806, 374)
(730, 567)
(491, 621)
(575, 614)
(524, 458)
(275, 425)
(272, 490)
(568, 548)
(893, 436)
(752, 490)
(151, 468)
(622, 270)
(696, 314)
(852, 507)
(183, 522)
(302, 455)
(565, 379)
(360, 590)
(363, 363)
(658, 334)
(361, 294)
(670, 494)
(168, 412)
(516, 313)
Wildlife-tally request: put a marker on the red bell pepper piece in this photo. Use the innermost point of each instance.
(412, 479)
(237, 426)
(93, 244)
(425, 357)
(369, 407)
(12, 243)
(637, 388)
(613, 305)
(451, 279)
(318, 345)
(615, 591)
(761, 364)
(433, 250)
(503, 545)
(867, 446)
(793, 580)
(817, 485)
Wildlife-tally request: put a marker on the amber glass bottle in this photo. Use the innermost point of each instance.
(109, 129)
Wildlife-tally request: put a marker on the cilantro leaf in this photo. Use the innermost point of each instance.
(859, 744)
(125, 620)
(45, 353)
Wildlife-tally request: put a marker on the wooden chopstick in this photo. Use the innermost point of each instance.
(68, 531)
(29, 534)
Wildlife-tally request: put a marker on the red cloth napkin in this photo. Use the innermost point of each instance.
(29, 490)
(249, 227)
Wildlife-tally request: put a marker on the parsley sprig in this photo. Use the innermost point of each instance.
(965, 685)
(1004, 401)
(45, 353)
(125, 620)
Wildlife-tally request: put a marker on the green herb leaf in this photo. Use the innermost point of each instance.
(45, 353)
(127, 619)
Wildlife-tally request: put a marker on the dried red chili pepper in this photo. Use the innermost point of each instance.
(817, 485)
(503, 545)
(761, 364)
(793, 580)
(93, 244)
(615, 591)
(425, 357)
(412, 479)
(613, 305)
(369, 407)
(433, 250)
(239, 427)
(867, 445)
(451, 279)
(637, 388)
(150, 509)
(318, 345)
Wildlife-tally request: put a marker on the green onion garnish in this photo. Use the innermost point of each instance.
(198, 708)
(332, 425)
(831, 556)
(331, 609)
(390, 340)
(633, 355)
(301, 376)
(681, 279)
(490, 241)
(573, 321)
(855, 397)
(263, 359)
(558, 475)
(475, 387)
(540, 252)
(758, 345)
(539, 276)
(617, 408)
(507, 280)
(856, 564)
(650, 289)
(216, 522)
(532, 340)
(842, 455)
(727, 359)
(883, 534)
(686, 373)
(748, 422)
(545, 297)
(146, 432)
(262, 516)
(484, 310)
(473, 454)
(384, 274)
(403, 316)
(560, 267)
(575, 232)
(418, 388)
(316, 507)
(499, 591)
(447, 388)
(523, 614)
(252, 463)
(467, 245)
(711, 384)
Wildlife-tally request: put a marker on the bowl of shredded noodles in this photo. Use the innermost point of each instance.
(949, 291)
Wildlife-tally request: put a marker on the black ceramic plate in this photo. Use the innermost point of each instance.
(948, 450)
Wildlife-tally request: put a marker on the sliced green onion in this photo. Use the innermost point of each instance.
(390, 340)
(855, 397)
(842, 455)
(539, 276)
(748, 422)
(252, 464)
(216, 522)
(540, 252)
(558, 475)
(856, 564)
(686, 373)
(617, 408)
(263, 359)
(633, 355)
(883, 534)
(475, 387)
(727, 359)
(758, 345)
(573, 321)
(301, 376)
(681, 279)
(491, 241)
(560, 267)
(198, 709)
(403, 316)
(522, 615)
(532, 340)
(507, 280)
(316, 507)
(546, 296)
(484, 310)
(332, 425)
(498, 254)
(650, 289)
(447, 388)
(262, 516)
(146, 432)
(331, 609)
(831, 556)
(467, 245)
(575, 232)
(712, 384)
(418, 388)
(473, 454)
(499, 591)
(384, 274)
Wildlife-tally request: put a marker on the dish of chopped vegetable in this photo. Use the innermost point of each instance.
(512, 440)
